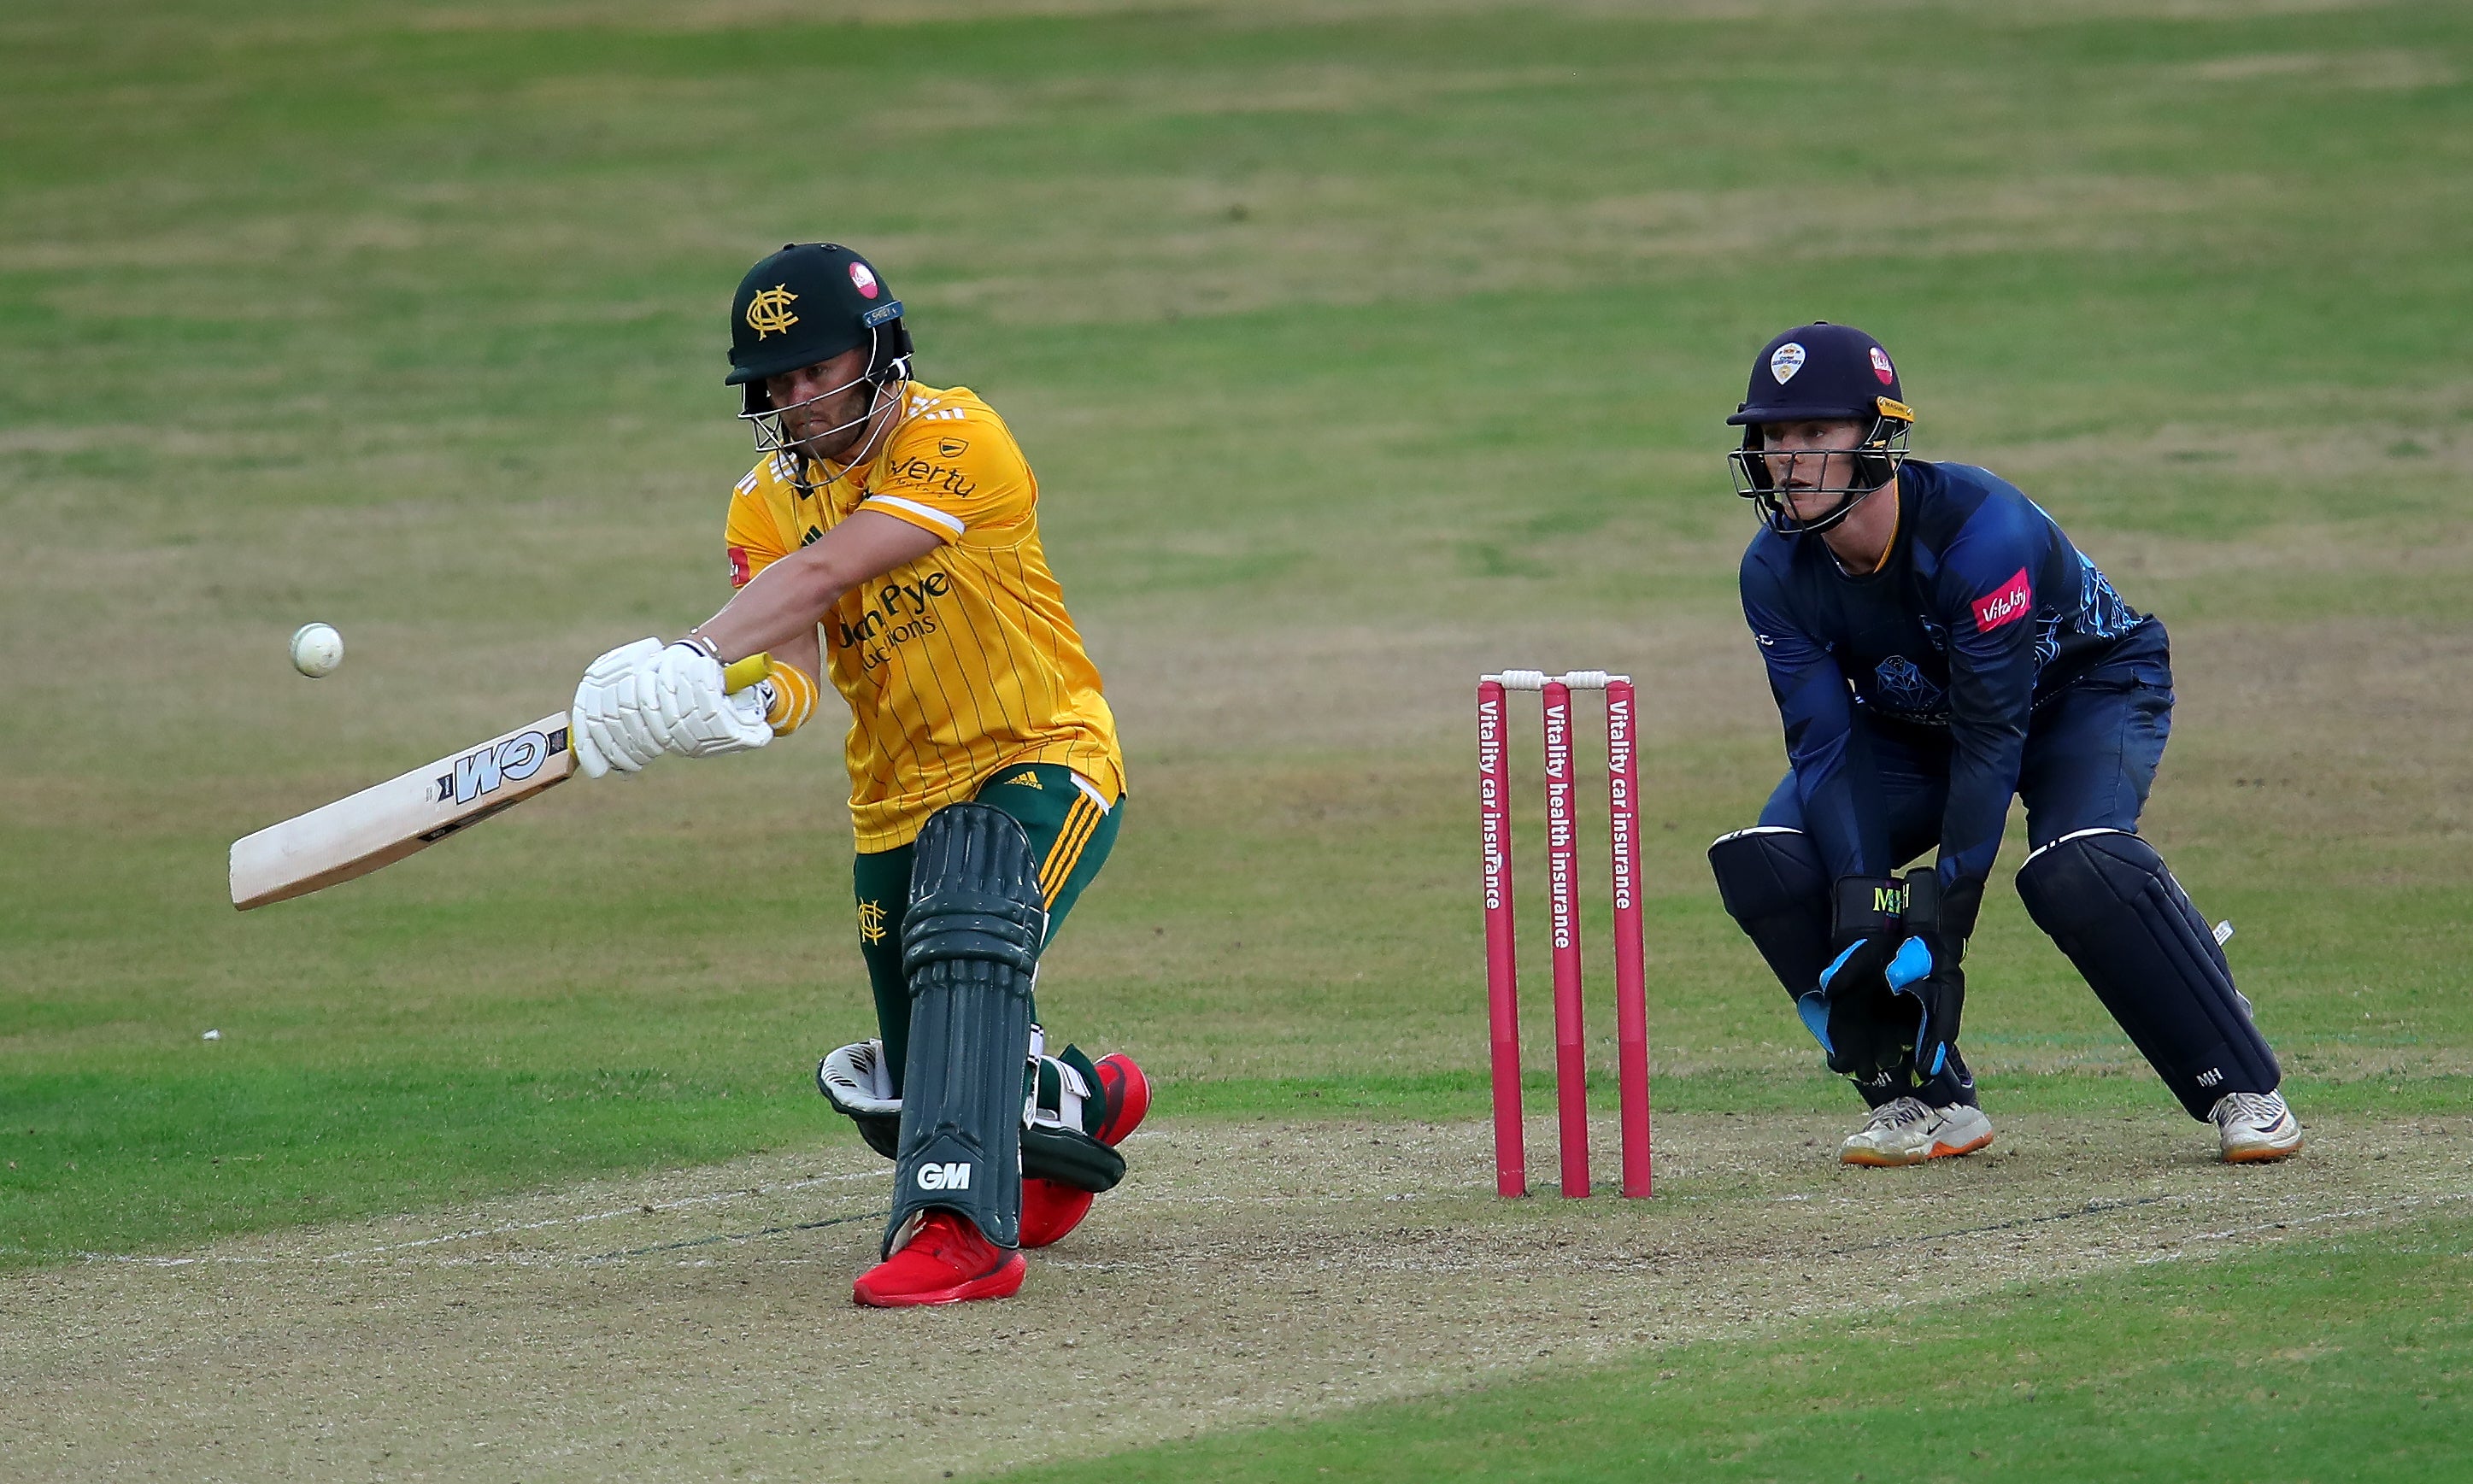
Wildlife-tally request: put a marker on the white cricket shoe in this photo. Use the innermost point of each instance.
(1907, 1132)
(2255, 1126)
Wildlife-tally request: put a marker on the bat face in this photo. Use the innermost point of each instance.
(481, 776)
(382, 824)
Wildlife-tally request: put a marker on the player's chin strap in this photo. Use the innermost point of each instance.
(1875, 468)
(884, 374)
(895, 391)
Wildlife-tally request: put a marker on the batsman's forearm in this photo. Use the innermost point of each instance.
(788, 598)
(781, 606)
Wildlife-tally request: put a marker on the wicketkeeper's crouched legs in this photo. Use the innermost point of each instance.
(1774, 884)
(2109, 901)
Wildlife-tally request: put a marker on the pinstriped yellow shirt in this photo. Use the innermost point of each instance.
(962, 662)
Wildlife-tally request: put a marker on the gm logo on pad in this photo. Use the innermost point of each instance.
(952, 1176)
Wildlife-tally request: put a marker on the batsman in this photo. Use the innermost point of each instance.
(888, 539)
(1936, 646)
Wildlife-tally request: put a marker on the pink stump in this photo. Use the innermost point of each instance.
(1502, 951)
(1631, 977)
(1563, 900)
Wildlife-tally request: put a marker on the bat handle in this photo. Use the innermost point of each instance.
(740, 674)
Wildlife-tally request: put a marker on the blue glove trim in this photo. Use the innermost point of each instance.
(1914, 960)
(1813, 1008)
(1834, 965)
(1912, 966)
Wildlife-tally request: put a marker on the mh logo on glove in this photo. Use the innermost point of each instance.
(952, 1175)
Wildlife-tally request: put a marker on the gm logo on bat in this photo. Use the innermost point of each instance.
(511, 761)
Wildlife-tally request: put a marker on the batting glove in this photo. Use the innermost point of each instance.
(611, 724)
(697, 716)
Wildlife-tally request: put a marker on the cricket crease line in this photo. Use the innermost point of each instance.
(511, 1228)
(740, 1237)
(2409, 1203)
(2090, 1209)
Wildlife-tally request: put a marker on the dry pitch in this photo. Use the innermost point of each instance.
(698, 1325)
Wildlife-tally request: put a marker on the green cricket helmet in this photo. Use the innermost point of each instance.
(807, 303)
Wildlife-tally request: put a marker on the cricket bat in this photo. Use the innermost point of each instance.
(385, 823)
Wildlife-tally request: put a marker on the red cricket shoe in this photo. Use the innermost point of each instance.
(1129, 1097)
(1051, 1210)
(947, 1262)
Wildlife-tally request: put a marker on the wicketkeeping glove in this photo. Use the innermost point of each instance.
(1927, 966)
(1851, 1012)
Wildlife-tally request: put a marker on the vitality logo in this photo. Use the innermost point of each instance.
(2012, 601)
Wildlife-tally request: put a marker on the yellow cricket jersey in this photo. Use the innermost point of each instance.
(962, 662)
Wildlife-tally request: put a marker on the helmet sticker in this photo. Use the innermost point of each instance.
(1785, 361)
(863, 280)
(768, 312)
(1881, 366)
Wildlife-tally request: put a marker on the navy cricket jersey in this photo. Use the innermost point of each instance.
(1982, 612)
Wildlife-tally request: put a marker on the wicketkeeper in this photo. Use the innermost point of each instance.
(889, 539)
(1936, 646)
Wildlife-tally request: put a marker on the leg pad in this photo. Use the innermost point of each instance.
(1064, 1106)
(969, 946)
(856, 1081)
(1776, 889)
(2107, 901)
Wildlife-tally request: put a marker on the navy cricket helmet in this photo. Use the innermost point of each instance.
(1821, 372)
(808, 304)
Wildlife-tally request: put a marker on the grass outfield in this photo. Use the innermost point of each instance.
(1343, 381)
(2312, 1360)
(1358, 347)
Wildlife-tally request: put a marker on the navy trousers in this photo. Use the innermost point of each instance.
(2090, 756)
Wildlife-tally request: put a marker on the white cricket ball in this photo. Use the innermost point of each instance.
(317, 649)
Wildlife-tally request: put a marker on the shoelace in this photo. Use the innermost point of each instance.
(2262, 1109)
(1899, 1113)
